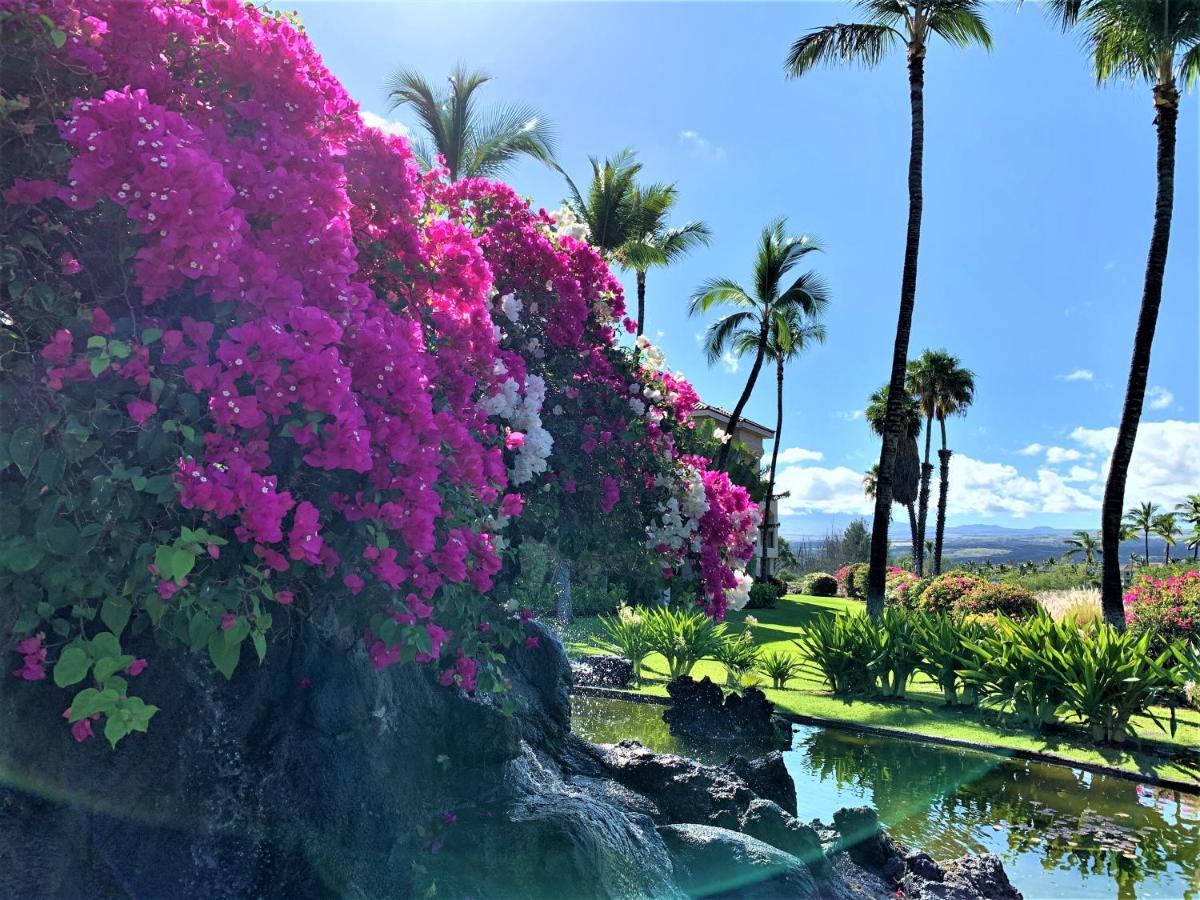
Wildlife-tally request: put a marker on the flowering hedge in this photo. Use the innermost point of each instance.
(1010, 600)
(1167, 608)
(256, 362)
(945, 591)
(902, 587)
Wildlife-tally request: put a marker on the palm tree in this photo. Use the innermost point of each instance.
(943, 388)
(758, 309)
(1166, 528)
(1193, 542)
(792, 331)
(1139, 518)
(912, 23)
(651, 243)
(906, 478)
(474, 144)
(1084, 543)
(1154, 41)
(1190, 510)
(610, 206)
(870, 479)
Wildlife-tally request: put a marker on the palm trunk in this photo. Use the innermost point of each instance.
(908, 294)
(923, 510)
(912, 521)
(943, 492)
(736, 416)
(1166, 100)
(1146, 535)
(641, 295)
(762, 566)
(1166, 554)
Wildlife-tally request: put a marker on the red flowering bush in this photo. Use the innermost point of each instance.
(901, 587)
(946, 590)
(255, 362)
(1166, 608)
(842, 577)
(1010, 600)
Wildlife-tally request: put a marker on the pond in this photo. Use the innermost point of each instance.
(1061, 832)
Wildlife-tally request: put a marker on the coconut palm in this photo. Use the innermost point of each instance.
(1193, 542)
(912, 23)
(1138, 518)
(473, 143)
(1190, 510)
(757, 309)
(610, 207)
(943, 388)
(1084, 543)
(1155, 42)
(906, 477)
(1166, 528)
(792, 331)
(651, 243)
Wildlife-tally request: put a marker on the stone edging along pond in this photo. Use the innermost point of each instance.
(1190, 787)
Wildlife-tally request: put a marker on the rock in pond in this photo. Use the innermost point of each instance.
(700, 709)
(602, 671)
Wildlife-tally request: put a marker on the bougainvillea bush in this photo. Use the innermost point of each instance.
(1167, 608)
(1010, 600)
(255, 364)
(944, 591)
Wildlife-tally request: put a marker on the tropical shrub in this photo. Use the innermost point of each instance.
(763, 595)
(683, 637)
(946, 590)
(895, 650)
(820, 584)
(1014, 670)
(897, 586)
(842, 577)
(257, 364)
(858, 579)
(1107, 677)
(779, 666)
(1009, 600)
(627, 635)
(906, 593)
(1165, 608)
(842, 647)
(738, 654)
(943, 647)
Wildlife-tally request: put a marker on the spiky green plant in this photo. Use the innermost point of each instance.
(780, 666)
(683, 637)
(627, 636)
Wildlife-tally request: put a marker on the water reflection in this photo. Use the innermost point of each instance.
(1061, 832)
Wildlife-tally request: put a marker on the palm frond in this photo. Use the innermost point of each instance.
(719, 290)
(509, 132)
(410, 88)
(809, 293)
(862, 43)
(960, 22)
(724, 332)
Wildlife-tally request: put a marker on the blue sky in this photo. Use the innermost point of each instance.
(1039, 194)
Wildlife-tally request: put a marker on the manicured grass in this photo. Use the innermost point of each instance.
(924, 712)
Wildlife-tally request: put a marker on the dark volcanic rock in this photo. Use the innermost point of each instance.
(602, 671)
(968, 878)
(861, 836)
(713, 862)
(768, 777)
(700, 709)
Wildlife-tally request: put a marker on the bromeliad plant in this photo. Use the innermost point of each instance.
(780, 666)
(683, 637)
(739, 655)
(1014, 669)
(895, 650)
(841, 647)
(627, 635)
(945, 647)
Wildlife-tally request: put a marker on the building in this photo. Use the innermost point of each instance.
(752, 434)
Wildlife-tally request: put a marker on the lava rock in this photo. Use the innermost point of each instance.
(770, 823)
(701, 710)
(717, 863)
(968, 878)
(602, 671)
(768, 777)
(864, 840)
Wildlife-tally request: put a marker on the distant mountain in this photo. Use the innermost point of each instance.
(1002, 529)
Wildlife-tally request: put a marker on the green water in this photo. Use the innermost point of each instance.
(1061, 832)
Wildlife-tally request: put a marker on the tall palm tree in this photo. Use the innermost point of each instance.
(943, 388)
(1166, 528)
(1193, 542)
(1158, 42)
(1084, 543)
(870, 479)
(906, 477)
(758, 309)
(1190, 510)
(609, 208)
(792, 331)
(651, 243)
(912, 23)
(1138, 518)
(474, 144)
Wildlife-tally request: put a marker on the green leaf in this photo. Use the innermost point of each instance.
(108, 666)
(59, 38)
(97, 342)
(150, 335)
(20, 555)
(260, 645)
(72, 667)
(90, 701)
(51, 466)
(115, 614)
(115, 729)
(105, 644)
(200, 629)
(174, 563)
(223, 654)
(24, 447)
(99, 364)
(238, 632)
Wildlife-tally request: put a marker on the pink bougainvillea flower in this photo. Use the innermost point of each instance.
(141, 411)
(81, 730)
(515, 440)
(284, 598)
(69, 265)
(532, 641)
(137, 667)
(228, 621)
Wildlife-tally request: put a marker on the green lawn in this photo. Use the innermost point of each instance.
(924, 711)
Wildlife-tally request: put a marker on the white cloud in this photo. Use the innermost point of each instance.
(1081, 473)
(1166, 459)
(852, 416)
(387, 126)
(1031, 450)
(730, 362)
(1159, 397)
(790, 455)
(701, 147)
(988, 489)
(1078, 375)
(1056, 455)
(820, 489)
